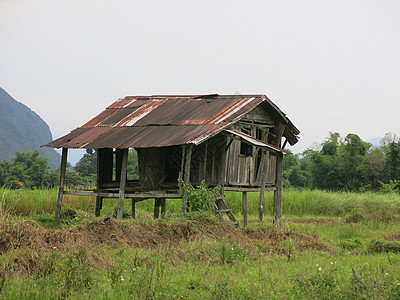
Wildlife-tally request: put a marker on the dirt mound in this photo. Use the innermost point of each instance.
(33, 241)
(395, 236)
(114, 234)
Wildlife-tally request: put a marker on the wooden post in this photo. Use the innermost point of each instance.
(122, 184)
(99, 204)
(205, 160)
(264, 174)
(63, 168)
(157, 202)
(244, 200)
(133, 208)
(278, 189)
(99, 200)
(163, 205)
(186, 175)
(182, 168)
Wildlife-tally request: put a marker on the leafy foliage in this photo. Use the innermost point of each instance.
(29, 170)
(201, 197)
(350, 165)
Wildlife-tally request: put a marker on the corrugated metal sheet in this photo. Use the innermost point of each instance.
(159, 121)
(251, 140)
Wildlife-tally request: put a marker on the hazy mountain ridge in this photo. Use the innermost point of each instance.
(21, 129)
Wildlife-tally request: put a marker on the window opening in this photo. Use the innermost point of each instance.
(245, 148)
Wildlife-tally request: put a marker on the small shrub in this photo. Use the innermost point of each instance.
(377, 246)
(201, 197)
(350, 244)
(230, 253)
(355, 216)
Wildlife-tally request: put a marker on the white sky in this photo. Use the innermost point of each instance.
(329, 65)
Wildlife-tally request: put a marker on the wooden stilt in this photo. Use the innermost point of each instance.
(186, 175)
(244, 200)
(163, 206)
(277, 214)
(180, 176)
(99, 204)
(157, 202)
(262, 188)
(122, 184)
(133, 208)
(63, 168)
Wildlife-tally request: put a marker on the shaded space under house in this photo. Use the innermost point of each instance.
(236, 141)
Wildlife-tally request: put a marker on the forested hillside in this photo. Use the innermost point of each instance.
(21, 129)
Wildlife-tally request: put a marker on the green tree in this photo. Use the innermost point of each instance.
(4, 170)
(352, 156)
(27, 170)
(87, 165)
(133, 165)
(292, 172)
(392, 166)
(325, 164)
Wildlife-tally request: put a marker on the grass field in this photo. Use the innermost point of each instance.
(329, 246)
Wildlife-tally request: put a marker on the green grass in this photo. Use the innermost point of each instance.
(362, 263)
(295, 203)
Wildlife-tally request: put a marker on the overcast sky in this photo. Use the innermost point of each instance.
(329, 65)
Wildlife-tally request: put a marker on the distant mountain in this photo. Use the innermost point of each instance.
(22, 129)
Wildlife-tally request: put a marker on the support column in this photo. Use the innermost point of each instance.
(99, 200)
(133, 208)
(244, 200)
(186, 175)
(265, 157)
(63, 168)
(122, 183)
(163, 205)
(99, 204)
(180, 177)
(157, 203)
(279, 189)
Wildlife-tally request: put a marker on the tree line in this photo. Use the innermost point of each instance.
(29, 170)
(348, 164)
(337, 164)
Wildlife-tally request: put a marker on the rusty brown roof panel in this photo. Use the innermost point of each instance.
(244, 109)
(157, 121)
(60, 142)
(163, 136)
(85, 138)
(115, 137)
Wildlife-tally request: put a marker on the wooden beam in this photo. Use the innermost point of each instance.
(277, 214)
(244, 201)
(122, 183)
(182, 168)
(163, 206)
(63, 169)
(205, 160)
(157, 203)
(99, 204)
(247, 189)
(98, 182)
(262, 188)
(133, 208)
(143, 196)
(186, 175)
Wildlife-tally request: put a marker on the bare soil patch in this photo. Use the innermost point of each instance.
(32, 240)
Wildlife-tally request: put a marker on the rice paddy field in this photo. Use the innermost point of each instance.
(328, 246)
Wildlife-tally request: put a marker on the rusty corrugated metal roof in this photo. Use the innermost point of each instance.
(253, 141)
(159, 121)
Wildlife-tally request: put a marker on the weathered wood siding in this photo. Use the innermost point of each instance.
(151, 167)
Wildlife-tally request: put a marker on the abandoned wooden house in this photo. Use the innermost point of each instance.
(236, 141)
